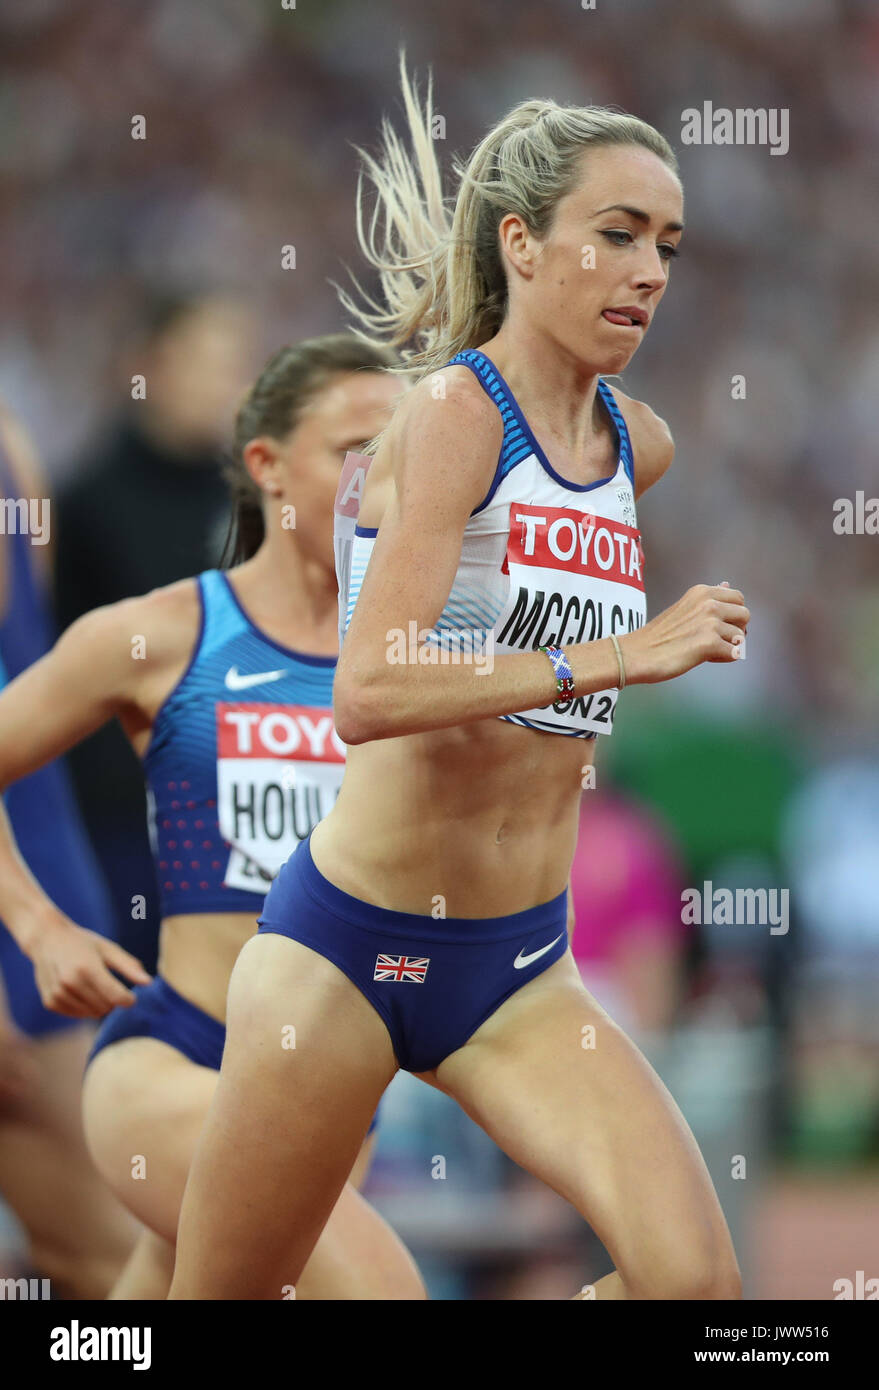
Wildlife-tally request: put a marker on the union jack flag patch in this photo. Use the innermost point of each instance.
(401, 968)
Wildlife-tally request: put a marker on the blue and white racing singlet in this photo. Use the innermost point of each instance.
(544, 562)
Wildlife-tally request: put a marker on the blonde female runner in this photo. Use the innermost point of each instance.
(422, 924)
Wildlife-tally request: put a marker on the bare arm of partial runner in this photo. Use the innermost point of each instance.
(442, 457)
(88, 677)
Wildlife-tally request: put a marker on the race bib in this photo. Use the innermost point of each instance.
(574, 577)
(279, 770)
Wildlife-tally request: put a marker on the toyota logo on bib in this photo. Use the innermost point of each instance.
(279, 770)
(558, 538)
(277, 731)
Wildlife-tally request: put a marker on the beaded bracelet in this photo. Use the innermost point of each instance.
(563, 673)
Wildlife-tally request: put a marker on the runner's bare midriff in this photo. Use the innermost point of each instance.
(197, 953)
(483, 814)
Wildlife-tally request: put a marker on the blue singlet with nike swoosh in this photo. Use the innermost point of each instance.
(243, 762)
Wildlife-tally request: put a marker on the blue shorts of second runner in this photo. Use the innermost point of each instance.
(432, 980)
(160, 1012)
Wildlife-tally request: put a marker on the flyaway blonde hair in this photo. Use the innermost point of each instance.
(439, 261)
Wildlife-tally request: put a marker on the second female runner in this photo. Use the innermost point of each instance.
(224, 686)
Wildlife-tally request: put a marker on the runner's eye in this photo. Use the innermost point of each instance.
(666, 250)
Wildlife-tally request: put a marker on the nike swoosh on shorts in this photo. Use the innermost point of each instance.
(521, 961)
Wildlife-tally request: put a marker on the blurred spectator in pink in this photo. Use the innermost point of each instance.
(629, 941)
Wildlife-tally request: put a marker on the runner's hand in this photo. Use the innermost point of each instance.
(73, 968)
(707, 624)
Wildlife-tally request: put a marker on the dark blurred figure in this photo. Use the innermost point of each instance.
(147, 505)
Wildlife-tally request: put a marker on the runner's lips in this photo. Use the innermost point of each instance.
(627, 317)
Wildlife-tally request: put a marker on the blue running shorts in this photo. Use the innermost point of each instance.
(432, 980)
(160, 1012)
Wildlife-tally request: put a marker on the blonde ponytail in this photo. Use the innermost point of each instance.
(440, 267)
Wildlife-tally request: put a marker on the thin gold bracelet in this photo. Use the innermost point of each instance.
(616, 647)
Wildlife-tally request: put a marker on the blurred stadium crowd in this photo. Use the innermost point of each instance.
(764, 775)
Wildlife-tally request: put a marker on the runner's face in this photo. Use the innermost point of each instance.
(599, 255)
(350, 410)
